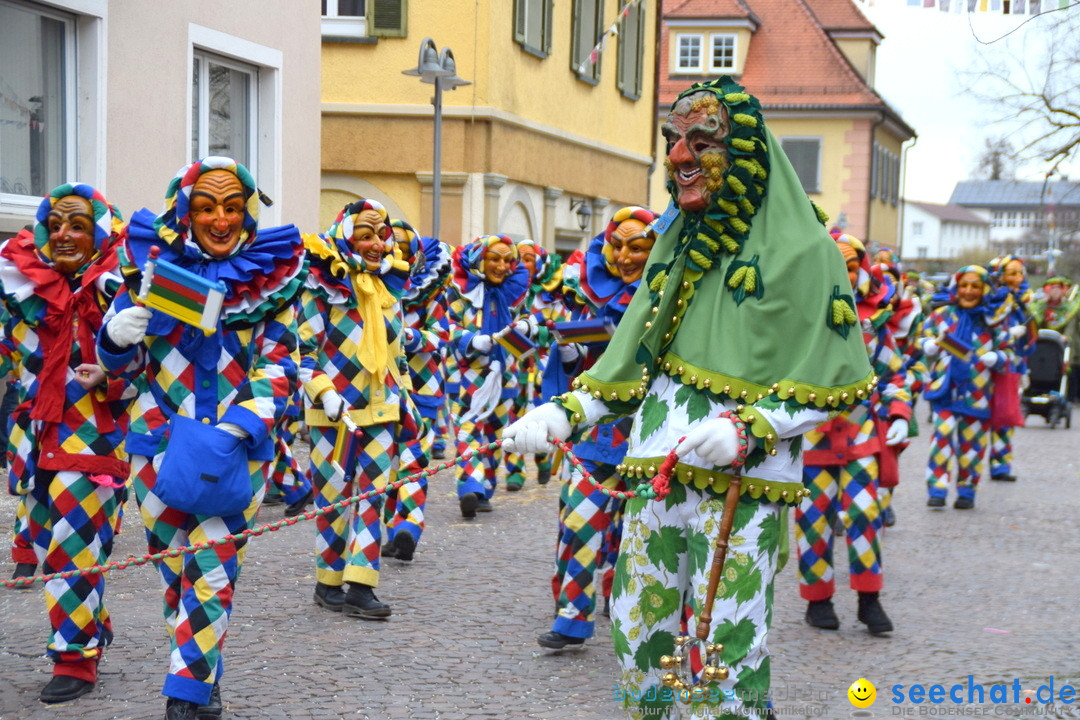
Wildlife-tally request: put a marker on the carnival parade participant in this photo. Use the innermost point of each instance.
(736, 340)
(487, 291)
(350, 344)
(201, 433)
(963, 347)
(288, 483)
(843, 458)
(425, 333)
(67, 430)
(598, 284)
(545, 304)
(1012, 296)
(1057, 309)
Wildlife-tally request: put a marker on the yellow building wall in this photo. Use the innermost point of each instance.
(503, 76)
(742, 46)
(860, 53)
(835, 148)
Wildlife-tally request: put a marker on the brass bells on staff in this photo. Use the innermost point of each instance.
(680, 676)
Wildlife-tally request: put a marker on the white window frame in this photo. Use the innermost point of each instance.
(679, 67)
(917, 228)
(267, 112)
(252, 72)
(85, 67)
(713, 67)
(350, 26)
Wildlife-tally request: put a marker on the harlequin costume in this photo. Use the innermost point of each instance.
(1005, 413)
(750, 267)
(956, 340)
(350, 329)
(288, 482)
(241, 375)
(488, 384)
(588, 518)
(426, 332)
(843, 461)
(545, 304)
(67, 461)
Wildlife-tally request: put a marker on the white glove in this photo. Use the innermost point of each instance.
(568, 353)
(482, 343)
(715, 442)
(897, 432)
(1018, 331)
(128, 327)
(333, 404)
(989, 359)
(234, 430)
(530, 433)
(930, 347)
(526, 326)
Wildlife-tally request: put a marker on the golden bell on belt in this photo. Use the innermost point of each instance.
(669, 679)
(667, 662)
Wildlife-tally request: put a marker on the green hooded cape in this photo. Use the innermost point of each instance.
(748, 299)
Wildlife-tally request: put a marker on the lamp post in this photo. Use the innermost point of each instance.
(437, 68)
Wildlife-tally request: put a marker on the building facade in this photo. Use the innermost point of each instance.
(543, 143)
(942, 233)
(811, 64)
(1025, 218)
(122, 94)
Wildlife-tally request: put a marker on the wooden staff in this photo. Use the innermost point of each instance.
(731, 502)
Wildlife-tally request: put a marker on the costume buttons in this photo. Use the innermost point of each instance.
(206, 420)
(49, 455)
(206, 383)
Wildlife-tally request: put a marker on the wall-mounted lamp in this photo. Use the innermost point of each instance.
(583, 211)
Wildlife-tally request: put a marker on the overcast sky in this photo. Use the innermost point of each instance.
(920, 72)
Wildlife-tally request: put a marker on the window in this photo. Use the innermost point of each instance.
(805, 157)
(922, 252)
(344, 18)
(387, 17)
(236, 105)
(532, 25)
(916, 229)
(223, 109)
(37, 97)
(723, 52)
(689, 53)
(632, 51)
(587, 27)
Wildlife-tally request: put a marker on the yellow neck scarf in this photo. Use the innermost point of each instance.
(372, 298)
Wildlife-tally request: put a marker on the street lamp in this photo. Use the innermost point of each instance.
(583, 211)
(438, 68)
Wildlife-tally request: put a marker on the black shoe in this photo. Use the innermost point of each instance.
(606, 612)
(468, 503)
(272, 499)
(964, 503)
(543, 476)
(361, 602)
(888, 518)
(515, 485)
(64, 688)
(438, 454)
(482, 503)
(1006, 477)
(212, 709)
(871, 613)
(331, 597)
(24, 570)
(404, 546)
(822, 614)
(557, 641)
(935, 502)
(388, 551)
(294, 509)
(176, 709)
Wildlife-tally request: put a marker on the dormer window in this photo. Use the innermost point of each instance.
(723, 53)
(689, 57)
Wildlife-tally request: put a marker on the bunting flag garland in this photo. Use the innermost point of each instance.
(1000, 7)
(613, 29)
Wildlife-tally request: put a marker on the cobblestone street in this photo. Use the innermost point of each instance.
(988, 593)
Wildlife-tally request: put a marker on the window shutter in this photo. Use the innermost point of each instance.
(388, 18)
(548, 24)
(519, 20)
(640, 50)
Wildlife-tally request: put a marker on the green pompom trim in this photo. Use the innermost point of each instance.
(788, 493)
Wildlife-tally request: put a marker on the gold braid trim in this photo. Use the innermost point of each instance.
(789, 493)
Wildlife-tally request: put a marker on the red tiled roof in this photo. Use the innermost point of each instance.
(705, 9)
(791, 60)
(840, 15)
